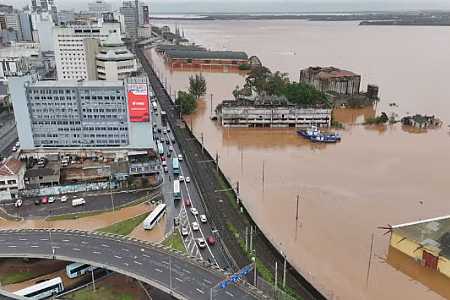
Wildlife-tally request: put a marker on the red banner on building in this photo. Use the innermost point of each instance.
(138, 109)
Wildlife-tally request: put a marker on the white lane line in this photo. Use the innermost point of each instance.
(96, 252)
(207, 281)
(66, 240)
(180, 280)
(126, 264)
(145, 255)
(200, 291)
(12, 246)
(229, 294)
(104, 245)
(186, 271)
(43, 239)
(84, 242)
(56, 247)
(160, 271)
(34, 246)
(165, 262)
(126, 250)
(138, 263)
(117, 256)
(76, 249)
(23, 239)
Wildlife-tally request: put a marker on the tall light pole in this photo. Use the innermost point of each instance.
(254, 270)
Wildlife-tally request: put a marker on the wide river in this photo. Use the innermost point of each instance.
(375, 176)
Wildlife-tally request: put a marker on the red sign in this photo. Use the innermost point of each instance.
(138, 109)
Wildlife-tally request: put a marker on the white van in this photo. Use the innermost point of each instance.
(78, 202)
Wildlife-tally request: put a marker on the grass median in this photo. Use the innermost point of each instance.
(175, 241)
(125, 227)
(103, 293)
(15, 277)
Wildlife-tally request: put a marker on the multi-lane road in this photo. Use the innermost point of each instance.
(170, 272)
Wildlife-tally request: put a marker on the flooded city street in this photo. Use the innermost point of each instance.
(377, 175)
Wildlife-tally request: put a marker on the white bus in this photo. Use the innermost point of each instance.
(42, 290)
(78, 269)
(160, 149)
(154, 216)
(176, 190)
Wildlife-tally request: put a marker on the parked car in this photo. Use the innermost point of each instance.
(17, 144)
(201, 243)
(18, 203)
(195, 226)
(14, 149)
(211, 240)
(187, 202)
(51, 199)
(188, 179)
(180, 157)
(184, 231)
(176, 221)
(203, 218)
(37, 202)
(44, 200)
(181, 178)
(63, 198)
(166, 170)
(194, 211)
(164, 131)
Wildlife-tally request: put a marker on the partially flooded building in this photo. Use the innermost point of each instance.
(331, 79)
(270, 112)
(426, 241)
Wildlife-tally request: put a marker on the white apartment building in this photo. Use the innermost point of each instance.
(99, 6)
(71, 47)
(11, 178)
(114, 61)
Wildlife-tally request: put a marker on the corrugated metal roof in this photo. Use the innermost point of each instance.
(188, 54)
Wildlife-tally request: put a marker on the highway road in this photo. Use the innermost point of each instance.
(213, 253)
(167, 271)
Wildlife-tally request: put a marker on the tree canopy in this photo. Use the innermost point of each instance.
(305, 94)
(187, 102)
(197, 85)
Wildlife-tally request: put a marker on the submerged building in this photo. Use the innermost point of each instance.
(426, 241)
(270, 112)
(331, 79)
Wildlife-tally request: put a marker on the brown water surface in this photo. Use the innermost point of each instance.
(377, 175)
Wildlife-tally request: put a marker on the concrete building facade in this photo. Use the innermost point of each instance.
(11, 179)
(99, 6)
(70, 47)
(79, 114)
(331, 79)
(128, 10)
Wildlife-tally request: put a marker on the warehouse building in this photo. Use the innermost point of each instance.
(331, 79)
(82, 114)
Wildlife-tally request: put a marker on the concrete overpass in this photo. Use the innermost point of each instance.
(170, 271)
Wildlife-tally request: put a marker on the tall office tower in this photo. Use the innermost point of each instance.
(128, 10)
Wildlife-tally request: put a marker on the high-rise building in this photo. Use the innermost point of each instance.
(82, 114)
(26, 27)
(99, 6)
(13, 23)
(114, 61)
(45, 6)
(70, 47)
(128, 10)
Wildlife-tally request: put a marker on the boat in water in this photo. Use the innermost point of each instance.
(314, 135)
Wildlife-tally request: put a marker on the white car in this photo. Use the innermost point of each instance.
(51, 199)
(201, 243)
(195, 226)
(17, 144)
(14, 149)
(188, 179)
(203, 218)
(184, 231)
(180, 157)
(18, 203)
(194, 211)
(181, 178)
(63, 198)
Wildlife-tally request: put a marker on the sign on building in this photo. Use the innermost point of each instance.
(138, 104)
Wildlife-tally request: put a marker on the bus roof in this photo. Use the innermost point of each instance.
(38, 286)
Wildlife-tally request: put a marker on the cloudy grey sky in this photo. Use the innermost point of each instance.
(215, 6)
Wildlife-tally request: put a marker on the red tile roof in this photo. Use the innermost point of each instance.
(10, 167)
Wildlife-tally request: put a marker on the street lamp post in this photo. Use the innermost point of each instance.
(254, 270)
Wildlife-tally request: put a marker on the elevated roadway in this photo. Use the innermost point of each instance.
(169, 271)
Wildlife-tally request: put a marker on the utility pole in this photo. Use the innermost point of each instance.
(254, 271)
(217, 162)
(370, 262)
(251, 238)
(93, 279)
(202, 141)
(284, 272)
(211, 106)
(170, 274)
(276, 279)
(246, 238)
(242, 161)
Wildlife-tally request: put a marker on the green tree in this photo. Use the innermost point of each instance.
(187, 102)
(257, 79)
(305, 95)
(276, 83)
(197, 85)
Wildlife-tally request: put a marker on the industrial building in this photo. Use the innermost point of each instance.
(426, 241)
(270, 112)
(82, 114)
(331, 79)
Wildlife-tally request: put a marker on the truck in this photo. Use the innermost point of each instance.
(78, 202)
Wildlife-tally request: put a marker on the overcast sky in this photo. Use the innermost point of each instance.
(214, 6)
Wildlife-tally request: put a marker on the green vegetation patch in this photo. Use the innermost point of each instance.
(103, 293)
(75, 216)
(124, 227)
(175, 241)
(15, 277)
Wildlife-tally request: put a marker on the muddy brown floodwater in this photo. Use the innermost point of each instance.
(375, 176)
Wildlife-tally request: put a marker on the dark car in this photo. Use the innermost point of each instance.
(187, 202)
(211, 240)
(37, 201)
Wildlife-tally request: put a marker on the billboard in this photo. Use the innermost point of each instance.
(138, 109)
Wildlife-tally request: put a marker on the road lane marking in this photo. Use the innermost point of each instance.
(66, 240)
(125, 249)
(126, 264)
(84, 242)
(23, 239)
(138, 263)
(56, 247)
(200, 291)
(104, 245)
(207, 281)
(148, 256)
(160, 271)
(76, 249)
(12, 246)
(34, 246)
(186, 271)
(43, 239)
(180, 280)
(96, 252)
(229, 294)
(165, 262)
(118, 257)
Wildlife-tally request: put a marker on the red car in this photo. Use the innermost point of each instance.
(211, 240)
(187, 202)
(44, 200)
(163, 158)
